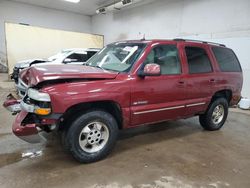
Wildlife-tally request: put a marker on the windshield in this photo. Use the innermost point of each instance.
(117, 57)
(59, 55)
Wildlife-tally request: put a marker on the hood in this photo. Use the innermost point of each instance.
(37, 74)
(26, 63)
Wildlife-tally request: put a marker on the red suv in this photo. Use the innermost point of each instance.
(125, 85)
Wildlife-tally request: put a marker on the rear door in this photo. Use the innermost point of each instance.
(200, 77)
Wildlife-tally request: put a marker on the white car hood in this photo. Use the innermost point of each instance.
(26, 63)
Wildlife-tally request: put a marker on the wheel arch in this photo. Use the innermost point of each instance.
(76, 110)
(226, 93)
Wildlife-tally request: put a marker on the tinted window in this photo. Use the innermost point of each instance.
(77, 57)
(167, 57)
(226, 59)
(198, 61)
(90, 54)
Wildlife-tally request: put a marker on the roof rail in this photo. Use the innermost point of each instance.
(200, 41)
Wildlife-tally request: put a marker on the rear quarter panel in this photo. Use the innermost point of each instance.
(228, 80)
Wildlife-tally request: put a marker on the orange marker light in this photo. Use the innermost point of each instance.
(43, 111)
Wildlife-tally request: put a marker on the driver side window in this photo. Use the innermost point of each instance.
(167, 57)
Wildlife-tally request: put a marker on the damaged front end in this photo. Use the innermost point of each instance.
(34, 116)
(34, 111)
(26, 131)
(32, 128)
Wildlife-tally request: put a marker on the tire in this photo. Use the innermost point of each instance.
(212, 120)
(92, 136)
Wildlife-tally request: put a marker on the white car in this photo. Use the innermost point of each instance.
(67, 56)
(72, 56)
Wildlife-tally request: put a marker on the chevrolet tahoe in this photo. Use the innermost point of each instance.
(128, 84)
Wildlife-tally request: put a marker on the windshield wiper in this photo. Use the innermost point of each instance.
(99, 67)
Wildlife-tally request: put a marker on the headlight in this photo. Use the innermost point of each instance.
(38, 96)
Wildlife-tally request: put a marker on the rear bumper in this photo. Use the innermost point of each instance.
(235, 100)
(27, 132)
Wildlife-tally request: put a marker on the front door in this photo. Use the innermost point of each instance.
(159, 98)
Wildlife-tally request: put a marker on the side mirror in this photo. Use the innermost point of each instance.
(151, 69)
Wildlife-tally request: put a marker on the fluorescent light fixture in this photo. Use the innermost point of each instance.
(73, 1)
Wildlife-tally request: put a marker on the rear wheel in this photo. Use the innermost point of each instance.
(215, 116)
(92, 136)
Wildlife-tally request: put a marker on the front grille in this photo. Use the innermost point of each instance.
(21, 87)
(22, 93)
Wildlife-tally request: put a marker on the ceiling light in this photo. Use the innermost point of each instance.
(73, 1)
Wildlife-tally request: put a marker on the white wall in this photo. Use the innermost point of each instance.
(173, 18)
(226, 21)
(37, 16)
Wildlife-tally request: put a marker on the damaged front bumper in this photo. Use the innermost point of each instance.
(34, 116)
(28, 126)
(32, 128)
(12, 104)
(26, 132)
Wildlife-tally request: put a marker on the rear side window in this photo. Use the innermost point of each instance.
(226, 59)
(90, 54)
(198, 61)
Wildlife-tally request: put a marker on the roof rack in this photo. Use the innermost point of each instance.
(199, 41)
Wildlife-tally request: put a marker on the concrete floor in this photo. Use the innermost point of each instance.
(172, 155)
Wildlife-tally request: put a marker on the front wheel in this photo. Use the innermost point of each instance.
(215, 116)
(92, 136)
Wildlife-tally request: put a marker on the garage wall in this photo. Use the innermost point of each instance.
(37, 16)
(21, 40)
(172, 18)
(225, 21)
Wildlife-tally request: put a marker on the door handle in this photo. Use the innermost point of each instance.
(181, 82)
(212, 80)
